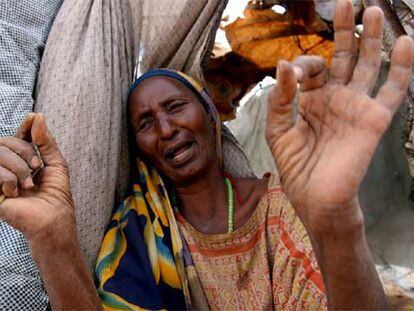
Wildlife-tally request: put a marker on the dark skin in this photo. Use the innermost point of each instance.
(173, 118)
(321, 158)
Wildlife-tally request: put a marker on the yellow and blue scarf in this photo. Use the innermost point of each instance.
(143, 262)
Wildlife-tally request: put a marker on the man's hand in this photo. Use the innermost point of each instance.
(43, 206)
(43, 211)
(323, 156)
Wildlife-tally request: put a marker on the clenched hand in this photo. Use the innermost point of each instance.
(42, 209)
(46, 207)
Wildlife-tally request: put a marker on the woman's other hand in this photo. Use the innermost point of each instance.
(43, 204)
(324, 154)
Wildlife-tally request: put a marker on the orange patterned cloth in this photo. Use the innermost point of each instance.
(266, 264)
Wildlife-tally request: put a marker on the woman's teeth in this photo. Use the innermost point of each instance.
(181, 154)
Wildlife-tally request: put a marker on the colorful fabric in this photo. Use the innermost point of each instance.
(266, 264)
(140, 263)
(189, 82)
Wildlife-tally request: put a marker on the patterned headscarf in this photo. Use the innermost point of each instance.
(143, 262)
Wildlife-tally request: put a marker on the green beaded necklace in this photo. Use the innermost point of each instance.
(230, 205)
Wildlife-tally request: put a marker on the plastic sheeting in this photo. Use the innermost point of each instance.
(249, 129)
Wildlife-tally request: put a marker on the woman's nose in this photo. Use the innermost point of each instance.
(166, 129)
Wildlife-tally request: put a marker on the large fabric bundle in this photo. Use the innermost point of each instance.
(86, 72)
(24, 26)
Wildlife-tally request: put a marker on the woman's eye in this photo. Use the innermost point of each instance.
(175, 107)
(144, 124)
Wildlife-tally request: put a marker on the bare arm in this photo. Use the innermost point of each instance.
(348, 270)
(42, 209)
(323, 156)
(66, 278)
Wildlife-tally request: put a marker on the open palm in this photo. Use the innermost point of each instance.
(323, 156)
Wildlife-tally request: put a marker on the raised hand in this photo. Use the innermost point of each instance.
(323, 155)
(41, 206)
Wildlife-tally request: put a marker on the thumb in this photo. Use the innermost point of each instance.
(280, 102)
(45, 142)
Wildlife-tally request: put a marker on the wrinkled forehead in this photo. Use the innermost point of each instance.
(158, 89)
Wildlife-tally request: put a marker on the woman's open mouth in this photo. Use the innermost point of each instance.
(180, 153)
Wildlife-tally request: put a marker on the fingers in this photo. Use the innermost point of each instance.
(19, 158)
(345, 51)
(308, 66)
(368, 66)
(24, 149)
(8, 183)
(16, 165)
(280, 102)
(24, 131)
(46, 144)
(310, 72)
(392, 93)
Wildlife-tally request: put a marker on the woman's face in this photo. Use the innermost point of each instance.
(172, 129)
